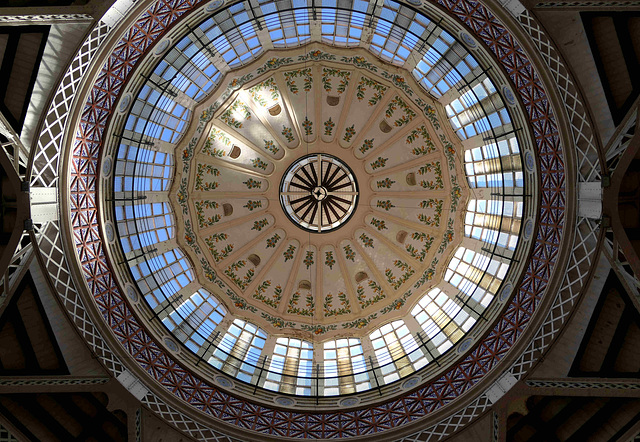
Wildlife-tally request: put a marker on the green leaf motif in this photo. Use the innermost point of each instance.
(349, 133)
(386, 205)
(328, 127)
(288, 254)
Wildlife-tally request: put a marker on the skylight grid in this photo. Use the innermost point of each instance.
(233, 36)
(397, 32)
(476, 274)
(397, 352)
(189, 68)
(144, 225)
(142, 170)
(287, 28)
(195, 319)
(496, 164)
(345, 369)
(291, 366)
(445, 64)
(342, 27)
(156, 116)
(494, 222)
(442, 319)
(480, 110)
(239, 350)
(161, 276)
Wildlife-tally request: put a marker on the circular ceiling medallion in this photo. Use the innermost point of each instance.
(506, 291)
(124, 103)
(171, 344)
(349, 402)
(162, 46)
(508, 96)
(319, 193)
(109, 231)
(468, 40)
(223, 381)
(214, 5)
(411, 383)
(465, 345)
(284, 401)
(106, 166)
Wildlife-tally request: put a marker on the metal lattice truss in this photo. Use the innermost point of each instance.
(17, 255)
(52, 382)
(47, 152)
(453, 423)
(620, 151)
(13, 148)
(620, 264)
(318, 425)
(585, 253)
(183, 422)
(139, 425)
(6, 436)
(17, 266)
(584, 385)
(621, 139)
(45, 18)
(588, 165)
(53, 259)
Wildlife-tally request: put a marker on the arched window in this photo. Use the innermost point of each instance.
(290, 368)
(397, 32)
(345, 369)
(156, 116)
(162, 276)
(494, 164)
(142, 170)
(442, 319)
(494, 221)
(444, 64)
(239, 351)
(189, 68)
(239, 44)
(195, 319)
(144, 225)
(477, 111)
(286, 28)
(397, 352)
(343, 27)
(476, 274)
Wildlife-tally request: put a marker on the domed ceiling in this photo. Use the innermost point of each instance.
(323, 194)
(317, 201)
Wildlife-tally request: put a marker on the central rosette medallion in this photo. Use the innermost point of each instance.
(319, 193)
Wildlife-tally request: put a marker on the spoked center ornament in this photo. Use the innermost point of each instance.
(319, 193)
